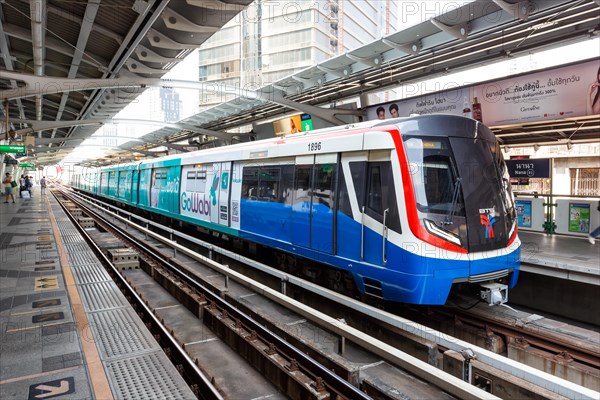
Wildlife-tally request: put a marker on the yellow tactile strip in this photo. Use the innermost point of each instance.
(99, 380)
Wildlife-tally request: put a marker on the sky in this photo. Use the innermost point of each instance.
(410, 13)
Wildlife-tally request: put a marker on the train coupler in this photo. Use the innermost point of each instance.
(494, 294)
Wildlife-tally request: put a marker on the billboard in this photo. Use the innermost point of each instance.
(564, 92)
(295, 124)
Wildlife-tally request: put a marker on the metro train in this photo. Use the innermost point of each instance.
(409, 209)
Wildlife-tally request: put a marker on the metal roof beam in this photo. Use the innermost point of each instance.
(38, 126)
(84, 33)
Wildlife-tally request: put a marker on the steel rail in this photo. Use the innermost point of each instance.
(415, 366)
(530, 374)
(315, 369)
(206, 389)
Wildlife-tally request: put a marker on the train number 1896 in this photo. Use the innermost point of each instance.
(314, 146)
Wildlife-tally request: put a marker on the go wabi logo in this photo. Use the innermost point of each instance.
(195, 203)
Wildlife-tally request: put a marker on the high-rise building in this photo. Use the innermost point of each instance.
(170, 105)
(272, 39)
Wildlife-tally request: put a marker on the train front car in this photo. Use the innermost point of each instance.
(460, 210)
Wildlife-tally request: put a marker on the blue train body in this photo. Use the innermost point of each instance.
(408, 207)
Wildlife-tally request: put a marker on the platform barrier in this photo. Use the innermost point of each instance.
(567, 215)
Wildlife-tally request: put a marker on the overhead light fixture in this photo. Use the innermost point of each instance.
(569, 144)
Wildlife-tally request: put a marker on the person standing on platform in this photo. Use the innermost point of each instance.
(28, 185)
(21, 185)
(595, 233)
(43, 185)
(8, 187)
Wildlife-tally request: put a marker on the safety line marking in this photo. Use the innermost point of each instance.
(97, 374)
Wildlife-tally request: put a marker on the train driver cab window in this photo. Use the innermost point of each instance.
(434, 176)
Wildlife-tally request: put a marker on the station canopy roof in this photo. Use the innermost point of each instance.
(142, 40)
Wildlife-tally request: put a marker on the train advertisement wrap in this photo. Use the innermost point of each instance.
(194, 201)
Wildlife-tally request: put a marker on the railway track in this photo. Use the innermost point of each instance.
(166, 268)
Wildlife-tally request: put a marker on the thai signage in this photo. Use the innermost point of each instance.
(7, 148)
(529, 168)
(557, 93)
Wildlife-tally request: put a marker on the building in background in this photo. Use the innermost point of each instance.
(273, 39)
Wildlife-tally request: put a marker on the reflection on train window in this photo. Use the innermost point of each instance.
(250, 183)
(324, 181)
(374, 192)
(268, 183)
(344, 202)
(358, 169)
(380, 191)
(434, 175)
(303, 182)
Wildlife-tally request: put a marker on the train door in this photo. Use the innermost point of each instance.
(224, 190)
(235, 195)
(134, 186)
(378, 207)
(313, 202)
(213, 176)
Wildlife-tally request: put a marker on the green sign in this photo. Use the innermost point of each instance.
(6, 148)
(26, 165)
(307, 124)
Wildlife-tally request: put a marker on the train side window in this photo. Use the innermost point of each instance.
(324, 181)
(250, 183)
(287, 184)
(344, 205)
(358, 169)
(302, 183)
(374, 193)
(382, 194)
(268, 184)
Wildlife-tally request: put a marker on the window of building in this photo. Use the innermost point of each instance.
(585, 181)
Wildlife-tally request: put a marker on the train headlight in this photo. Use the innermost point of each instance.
(441, 233)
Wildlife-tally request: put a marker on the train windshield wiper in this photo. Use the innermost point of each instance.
(450, 216)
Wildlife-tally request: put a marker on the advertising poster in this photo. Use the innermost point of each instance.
(295, 124)
(524, 213)
(570, 91)
(579, 217)
(554, 94)
(456, 102)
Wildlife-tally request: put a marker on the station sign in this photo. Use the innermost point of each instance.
(530, 168)
(26, 165)
(7, 148)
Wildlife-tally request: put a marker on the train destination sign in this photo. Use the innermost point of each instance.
(7, 148)
(530, 168)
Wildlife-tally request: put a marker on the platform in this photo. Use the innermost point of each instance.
(560, 275)
(565, 257)
(66, 330)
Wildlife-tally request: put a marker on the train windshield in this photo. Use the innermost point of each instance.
(461, 190)
(434, 176)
